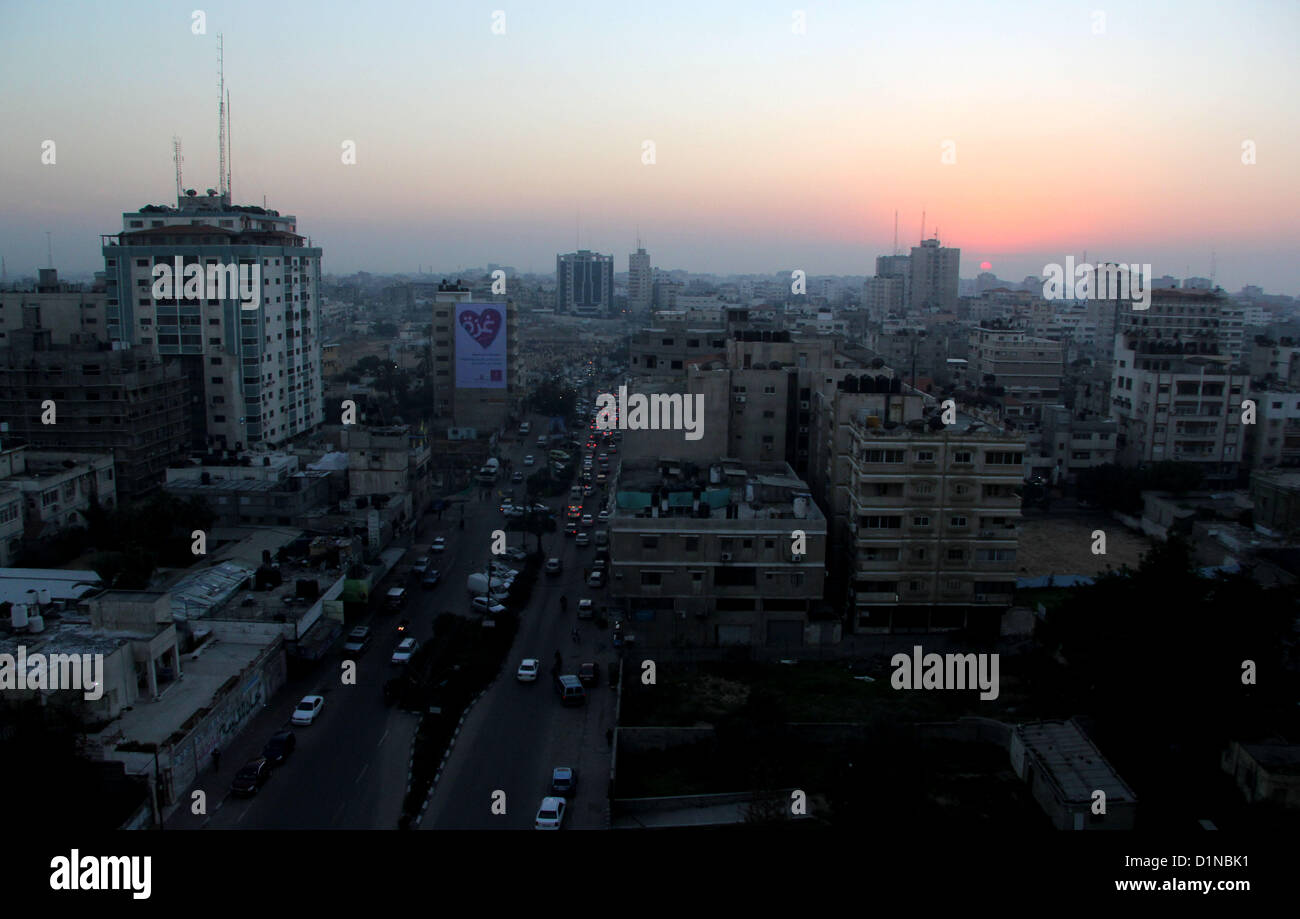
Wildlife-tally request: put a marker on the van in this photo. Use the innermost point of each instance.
(396, 598)
(570, 690)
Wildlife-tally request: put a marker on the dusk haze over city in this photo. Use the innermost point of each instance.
(859, 441)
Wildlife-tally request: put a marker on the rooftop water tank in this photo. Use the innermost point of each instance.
(18, 616)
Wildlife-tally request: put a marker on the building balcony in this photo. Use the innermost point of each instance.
(876, 597)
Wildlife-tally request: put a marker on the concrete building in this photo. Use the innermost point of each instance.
(128, 403)
(702, 555)
(262, 489)
(62, 308)
(1174, 394)
(1276, 497)
(584, 284)
(390, 462)
(933, 515)
(640, 282)
(1071, 443)
(1265, 772)
(11, 525)
(1028, 368)
(934, 278)
(57, 487)
(1063, 769)
(484, 410)
(258, 370)
(1274, 439)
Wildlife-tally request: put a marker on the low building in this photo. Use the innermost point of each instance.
(57, 487)
(1064, 771)
(1265, 772)
(703, 555)
(253, 489)
(1276, 497)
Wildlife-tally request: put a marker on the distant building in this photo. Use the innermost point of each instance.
(57, 487)
(934, 278)
(584, 283)
(484, 409)
(61, 308)
(640, 282)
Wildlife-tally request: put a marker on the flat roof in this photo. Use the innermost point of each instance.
(1073, 761)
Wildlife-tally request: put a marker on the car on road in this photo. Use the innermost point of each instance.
(587, 491)
(571, 530)
(278, 748)
(587, 520)
(541, 441)
(550, 815)
(481, 605)
(308, 709)
(603, 516)
(554, 566)
(528, 670)
(431, 578)
(516, 477)
(358, 640)
(395, 598)
(575, 491)
(514, 513)
(529, 460)
(420, 566)
(405, 648)
(586, 609)
(596, 579)
(439, 544)
(516, 553)
(564, 781)
(251, 777)
(403, 625)
(588, 675)
(583, 539)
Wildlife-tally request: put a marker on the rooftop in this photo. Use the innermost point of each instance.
(1073, 762)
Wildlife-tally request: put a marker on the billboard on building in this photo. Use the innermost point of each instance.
(480, 346)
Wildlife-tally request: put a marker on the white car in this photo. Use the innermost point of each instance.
(587, 520)
(582, 539)
(596, 579)
(528, 460)
(550, 815)
(603, 516)
(586, 609)
(439, 544)
(528, 669)
(481, 605)
(308, 709)
(404, 650)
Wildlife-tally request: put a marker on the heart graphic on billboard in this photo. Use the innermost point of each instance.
(482, 327)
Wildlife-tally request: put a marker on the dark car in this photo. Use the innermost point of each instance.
(564, 781)
(431, 578)
(588, 675)
(250, 779)
(279, 747)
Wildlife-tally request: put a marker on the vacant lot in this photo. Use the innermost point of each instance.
(1064, 546)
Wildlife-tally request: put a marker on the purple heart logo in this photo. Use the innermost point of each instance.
(482, 327)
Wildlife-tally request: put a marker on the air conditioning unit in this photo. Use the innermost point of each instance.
(740, 398)
(797, 558)
(981, 598)
(726, 556)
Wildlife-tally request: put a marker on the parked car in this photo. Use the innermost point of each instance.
(588, 675)
(516, 553)
(431, 578)
(481, 605)
(550, 815)
(251, 777)
(528, 669)
(308, 709)
(439, 544)
(278, 748)
(358, 640)
(564, 781)
(405, 648)
(554, 566)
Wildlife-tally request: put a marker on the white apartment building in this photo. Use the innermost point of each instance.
(258, 370)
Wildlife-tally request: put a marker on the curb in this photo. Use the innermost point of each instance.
(451, 744)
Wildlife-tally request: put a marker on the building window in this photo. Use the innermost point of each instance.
(959, 522)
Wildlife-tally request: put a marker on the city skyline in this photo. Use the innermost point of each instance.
(756, 166)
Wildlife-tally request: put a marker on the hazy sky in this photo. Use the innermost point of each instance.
(774, 150)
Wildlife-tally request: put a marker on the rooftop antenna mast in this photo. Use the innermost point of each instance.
(229, 148)
(178, 159)
(895, 231)
(221, 113)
